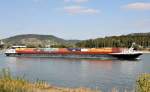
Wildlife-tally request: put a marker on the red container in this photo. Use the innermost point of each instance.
(117, 50)
(63, 50)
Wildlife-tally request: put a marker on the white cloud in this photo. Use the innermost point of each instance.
(137, 6)
(80, 10)
(76, 1)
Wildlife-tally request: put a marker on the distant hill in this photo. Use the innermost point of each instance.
(139, 34)
(35, 39)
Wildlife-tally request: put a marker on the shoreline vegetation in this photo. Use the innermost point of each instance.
(8, 83)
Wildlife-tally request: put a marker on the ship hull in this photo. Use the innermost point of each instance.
(127, 56)
(94, 56)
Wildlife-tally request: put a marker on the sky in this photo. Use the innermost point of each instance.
(74, 19)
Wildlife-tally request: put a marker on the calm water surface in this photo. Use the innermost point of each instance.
(103, 74)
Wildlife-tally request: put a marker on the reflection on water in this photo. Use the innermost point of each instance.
(103, 74)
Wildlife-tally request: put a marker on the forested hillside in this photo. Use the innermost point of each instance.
(141, 39)
(34, 40)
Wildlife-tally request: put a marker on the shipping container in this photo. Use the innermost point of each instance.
(117, 50)
(84, 50)
(62, 50)
(74, 49)
(102, 50)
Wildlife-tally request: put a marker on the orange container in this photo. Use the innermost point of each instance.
(25, 49)
(103, 50)
(63, 50)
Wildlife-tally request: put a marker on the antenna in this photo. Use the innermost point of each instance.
(132, 44)
(131, 49)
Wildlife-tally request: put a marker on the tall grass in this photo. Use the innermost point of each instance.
(143, 83)
(8, 83)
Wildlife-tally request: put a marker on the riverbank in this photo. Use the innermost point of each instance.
(146, 52)
(19, 84)
(8, 84)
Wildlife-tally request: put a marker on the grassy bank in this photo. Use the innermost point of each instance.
(9, 83)
(19, 84)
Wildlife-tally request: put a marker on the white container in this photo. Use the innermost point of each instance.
(84, 50)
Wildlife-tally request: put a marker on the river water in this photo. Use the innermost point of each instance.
(101, 74)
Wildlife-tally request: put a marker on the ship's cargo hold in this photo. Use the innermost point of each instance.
(88, 50)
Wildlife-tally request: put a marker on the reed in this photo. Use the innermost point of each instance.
(143, 83)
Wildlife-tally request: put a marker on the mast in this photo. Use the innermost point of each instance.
(1, 42)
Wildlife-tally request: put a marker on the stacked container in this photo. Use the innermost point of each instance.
(101, 50)
(117, 50)
(74, 49)
(25, 50)
(63, 50)
(50, 49)
(84, 50)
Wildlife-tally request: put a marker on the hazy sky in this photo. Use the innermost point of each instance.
(74, 19)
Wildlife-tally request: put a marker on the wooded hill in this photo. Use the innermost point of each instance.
(141, 39)
(34, 40)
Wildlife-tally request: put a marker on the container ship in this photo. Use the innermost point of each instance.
(101, 53)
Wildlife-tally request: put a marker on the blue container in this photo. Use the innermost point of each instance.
(74, 49)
